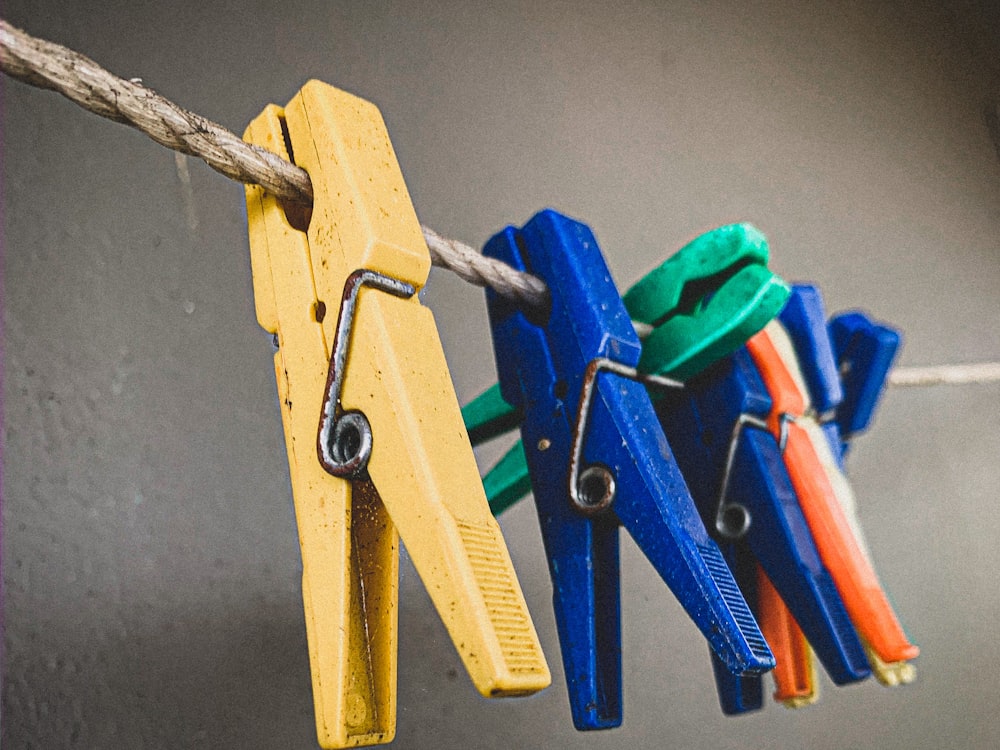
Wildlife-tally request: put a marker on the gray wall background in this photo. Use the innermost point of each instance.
(150, 560)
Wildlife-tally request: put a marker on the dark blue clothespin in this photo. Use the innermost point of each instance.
(864, 352)
(803, 317)
(740, 482)
(735, 470)
(804, 320)
(599, 459)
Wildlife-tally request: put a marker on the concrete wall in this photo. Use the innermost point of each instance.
(150, 561)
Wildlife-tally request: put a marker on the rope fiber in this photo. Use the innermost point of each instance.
(51, 66)
(81, 80)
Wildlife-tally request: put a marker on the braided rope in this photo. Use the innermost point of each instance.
(527, 290)
(80, 79)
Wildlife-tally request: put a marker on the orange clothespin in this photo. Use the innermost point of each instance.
(795, 669)
(373, 429)
(828, 505)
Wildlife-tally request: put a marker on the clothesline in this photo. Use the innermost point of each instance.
(80, 79)
(48, 65)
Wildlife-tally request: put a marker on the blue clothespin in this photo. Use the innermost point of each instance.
(805, 323)
(599, 459)
(735, 470)
(860, 360)
(803, 319)
(864, 352)
(845, 363)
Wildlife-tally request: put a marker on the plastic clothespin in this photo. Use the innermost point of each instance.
(733, 464)
(830, 452)
(864, 352)
(815, 366)
(706, 300)
(795, 679)
(828, 505)
(702, 303)
(802, 318)
(372, 426)
(598, 459)
(855, 354)
(710, 405)
(488, 416)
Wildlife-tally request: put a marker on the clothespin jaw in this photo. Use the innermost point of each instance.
(740, 693)
(390, 397)
(706, 300)
(571, 373)
(796, 683)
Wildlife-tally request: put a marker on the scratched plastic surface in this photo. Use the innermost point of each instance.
(541, 365)
(421, 478)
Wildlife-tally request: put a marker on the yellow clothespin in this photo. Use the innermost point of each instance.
(392, 452)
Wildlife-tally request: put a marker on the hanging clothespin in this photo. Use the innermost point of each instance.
(376, 446)
(721, 421)
(753, 510)
(816, 371)
(733, 465)
(864, 352)
(706, 300)
(699, 305)
(598, 459)
(812, 457)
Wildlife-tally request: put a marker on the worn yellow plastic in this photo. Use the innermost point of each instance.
(423, 477)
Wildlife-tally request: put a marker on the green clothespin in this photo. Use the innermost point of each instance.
(508, 481)
(488, 416)
(706, 300)
(703, 303)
